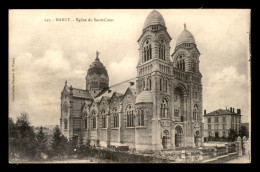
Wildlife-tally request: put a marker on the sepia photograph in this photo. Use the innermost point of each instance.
(129, 86)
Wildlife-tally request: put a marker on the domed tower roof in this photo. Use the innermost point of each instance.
(185, 37)
(144, 97)
(154, 18)
(97, 67)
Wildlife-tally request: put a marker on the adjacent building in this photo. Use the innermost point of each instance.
(161, 108)
(218, 122)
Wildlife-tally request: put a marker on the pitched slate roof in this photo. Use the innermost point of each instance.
(119, 89)
(221, 112)
(79, 93)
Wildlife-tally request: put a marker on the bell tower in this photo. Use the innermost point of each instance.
(97, 77)
(154, 51)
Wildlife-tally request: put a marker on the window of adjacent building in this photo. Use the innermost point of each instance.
(140, 117)
(232, 119)
(224, 134)
(164, 109)
(209, 120)
(224, 126)
(216, 119)
(216, 126)
(65, 124)
(130, 117)
(209, 127)
(115, 118)
(223, 119)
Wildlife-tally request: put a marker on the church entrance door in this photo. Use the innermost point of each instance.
(165, 139)
(178, 135)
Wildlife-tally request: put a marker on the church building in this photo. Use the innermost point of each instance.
(161, 108)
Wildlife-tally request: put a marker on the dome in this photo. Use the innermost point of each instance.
(185, 37)
(154, 18)
(97, 67)
(144, 97)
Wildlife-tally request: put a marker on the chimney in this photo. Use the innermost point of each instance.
(205, 112)
(233, 110)
(238, 111)
(230, 109)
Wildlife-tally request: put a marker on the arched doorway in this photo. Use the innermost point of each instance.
(165, 139)
(197, 138)
(178, 136)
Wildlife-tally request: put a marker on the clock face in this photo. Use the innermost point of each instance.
(129, 97)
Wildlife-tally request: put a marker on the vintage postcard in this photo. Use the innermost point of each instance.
(129, 86)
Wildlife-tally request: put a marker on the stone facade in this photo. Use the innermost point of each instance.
(159, 109)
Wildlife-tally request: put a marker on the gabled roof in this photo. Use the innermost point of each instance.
(221, 112)
(119, 88)
(78, 93)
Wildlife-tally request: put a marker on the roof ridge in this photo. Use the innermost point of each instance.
(122, 82)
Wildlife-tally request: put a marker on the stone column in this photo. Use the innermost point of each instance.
(226, 145)
(239, 146)
(244, 145)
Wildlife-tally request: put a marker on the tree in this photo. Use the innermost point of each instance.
(232, 135)
(23, 137)
(59, 142)
(243, 131)
(41, 142)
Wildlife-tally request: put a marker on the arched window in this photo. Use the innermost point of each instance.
(164, 109)
(103, 119)
(162, 50)
(129, 117)
(195, 112)
(147, 51)
(115, 118)
(94, 120)
(65, 108)
(86, 123)
(140, 117)
(165, 85)
(65, 124)
(143, 85)
(161, 84)
(149, 84)
(193, 66)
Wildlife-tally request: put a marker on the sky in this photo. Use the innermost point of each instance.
(43, 54)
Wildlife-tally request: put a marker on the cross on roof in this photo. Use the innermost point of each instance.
(97, 53)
